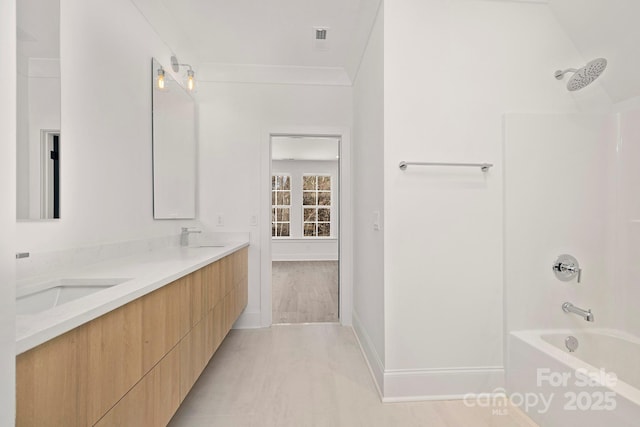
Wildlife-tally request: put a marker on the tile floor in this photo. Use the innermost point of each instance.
(310, 375)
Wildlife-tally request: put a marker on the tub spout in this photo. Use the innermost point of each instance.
(567, 307)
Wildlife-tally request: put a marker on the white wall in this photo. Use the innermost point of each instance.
(7, 211)
(451, 70)
(106, 182)
(235, 122)
(615, 39)
(297, 247)
(22, 134)
(557, 190)
(627, 253)
(325, 249)
(368, 177)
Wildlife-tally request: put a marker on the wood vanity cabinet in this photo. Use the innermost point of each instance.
(134, 365)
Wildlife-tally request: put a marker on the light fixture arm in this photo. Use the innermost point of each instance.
(175, 64)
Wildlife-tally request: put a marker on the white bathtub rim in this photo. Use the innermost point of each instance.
(591, 331)
(533, 337)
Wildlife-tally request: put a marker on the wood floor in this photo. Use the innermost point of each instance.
(310, 375)
(305, 291)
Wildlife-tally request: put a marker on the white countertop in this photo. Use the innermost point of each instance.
(148, 271)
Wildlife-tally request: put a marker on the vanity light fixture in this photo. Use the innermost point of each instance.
(160, 79)
(191, 82)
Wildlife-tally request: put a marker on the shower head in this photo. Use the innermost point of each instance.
(583, 76)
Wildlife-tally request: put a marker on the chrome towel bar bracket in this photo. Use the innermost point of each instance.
(484, 167)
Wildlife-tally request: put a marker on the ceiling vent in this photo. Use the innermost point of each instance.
(320, 41)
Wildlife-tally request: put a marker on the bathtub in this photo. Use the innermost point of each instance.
(596, 385)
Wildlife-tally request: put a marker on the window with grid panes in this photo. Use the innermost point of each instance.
(316, 205)
(280, 205)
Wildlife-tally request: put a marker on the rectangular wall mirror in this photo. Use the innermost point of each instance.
(38, 138)
(174, 147)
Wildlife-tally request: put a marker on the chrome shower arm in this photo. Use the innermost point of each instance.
(560, 73)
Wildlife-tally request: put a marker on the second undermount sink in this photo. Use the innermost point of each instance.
(61, 291)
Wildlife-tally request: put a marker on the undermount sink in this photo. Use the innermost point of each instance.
(61, 291)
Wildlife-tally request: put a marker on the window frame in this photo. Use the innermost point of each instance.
(317, 206)
(275, 207)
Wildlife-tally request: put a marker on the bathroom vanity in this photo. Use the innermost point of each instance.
(129, 354)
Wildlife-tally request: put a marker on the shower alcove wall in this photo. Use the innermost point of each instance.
(570, 185)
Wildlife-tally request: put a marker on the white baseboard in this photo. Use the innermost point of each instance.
(440, 384)
(248, 320)
(304, 257)
(376, 367)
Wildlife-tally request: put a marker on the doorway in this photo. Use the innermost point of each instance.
(50, 174)
(305, 235)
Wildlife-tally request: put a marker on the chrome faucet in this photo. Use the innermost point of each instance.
(184, 235)
(567, 307)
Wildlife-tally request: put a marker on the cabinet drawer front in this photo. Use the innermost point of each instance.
(152, 401)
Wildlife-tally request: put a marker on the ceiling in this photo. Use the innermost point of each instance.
(38, 27)
(275, 33)
(273, 40)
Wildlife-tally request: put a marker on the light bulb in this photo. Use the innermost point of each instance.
(160, 78)
(190, 80)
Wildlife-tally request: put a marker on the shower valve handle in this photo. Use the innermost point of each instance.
(572, 269)
(566, 268)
